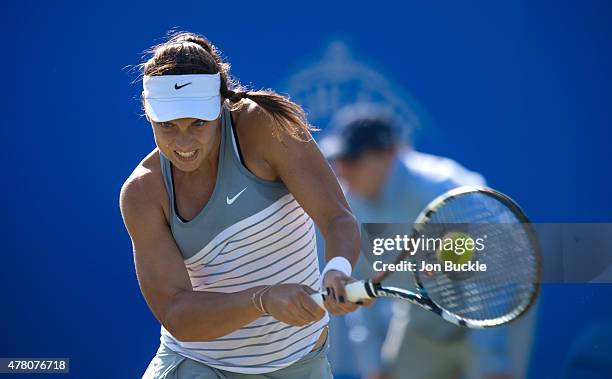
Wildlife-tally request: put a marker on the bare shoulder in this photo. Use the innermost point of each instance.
(252, 118)
(258, 125)
(262, 142)
(144, 186)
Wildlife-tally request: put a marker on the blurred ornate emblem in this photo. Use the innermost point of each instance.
(337, 80)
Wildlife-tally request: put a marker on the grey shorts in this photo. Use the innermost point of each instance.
(168, 364)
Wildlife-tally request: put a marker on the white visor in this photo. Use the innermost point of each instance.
(168, 97)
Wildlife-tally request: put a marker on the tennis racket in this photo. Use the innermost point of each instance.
(479, 299)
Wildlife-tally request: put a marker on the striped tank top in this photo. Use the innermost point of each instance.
(252, 232)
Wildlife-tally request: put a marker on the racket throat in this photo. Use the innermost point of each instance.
(372, 288)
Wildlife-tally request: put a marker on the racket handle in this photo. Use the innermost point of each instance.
(355, 292)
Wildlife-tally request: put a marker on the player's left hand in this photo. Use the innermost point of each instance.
(336, 301)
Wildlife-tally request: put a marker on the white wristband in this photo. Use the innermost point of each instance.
(337, 263)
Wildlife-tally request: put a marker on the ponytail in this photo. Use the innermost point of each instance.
(287, 116)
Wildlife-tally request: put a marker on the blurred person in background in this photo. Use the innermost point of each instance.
(388, 183)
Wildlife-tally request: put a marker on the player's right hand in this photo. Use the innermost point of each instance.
(291, 303)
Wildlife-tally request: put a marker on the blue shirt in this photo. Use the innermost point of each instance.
(414, 180)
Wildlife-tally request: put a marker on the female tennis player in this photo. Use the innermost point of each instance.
(221, 215)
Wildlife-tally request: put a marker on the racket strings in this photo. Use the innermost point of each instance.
(507, 286)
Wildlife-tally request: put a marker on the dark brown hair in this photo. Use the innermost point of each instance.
(188, 53)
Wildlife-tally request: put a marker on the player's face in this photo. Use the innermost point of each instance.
(187, 142)
(366, 175)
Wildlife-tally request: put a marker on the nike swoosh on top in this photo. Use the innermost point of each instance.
(176, 86)
(230, 201)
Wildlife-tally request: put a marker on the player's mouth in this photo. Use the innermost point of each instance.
(186, 156)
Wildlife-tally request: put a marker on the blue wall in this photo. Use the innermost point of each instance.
(518, 91)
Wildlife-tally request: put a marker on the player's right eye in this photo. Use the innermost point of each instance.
(165, 125)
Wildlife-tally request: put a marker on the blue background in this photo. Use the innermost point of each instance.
(519, 91)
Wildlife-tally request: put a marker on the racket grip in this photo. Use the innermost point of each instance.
(355, 292)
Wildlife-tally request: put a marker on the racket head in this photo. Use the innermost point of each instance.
(511, 283)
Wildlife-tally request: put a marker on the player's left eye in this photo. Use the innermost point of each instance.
(199, 123)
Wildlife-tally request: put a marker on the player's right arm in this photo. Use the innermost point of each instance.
(188, 315)
(163, 278)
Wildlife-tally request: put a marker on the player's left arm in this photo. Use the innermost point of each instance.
(308, 176)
